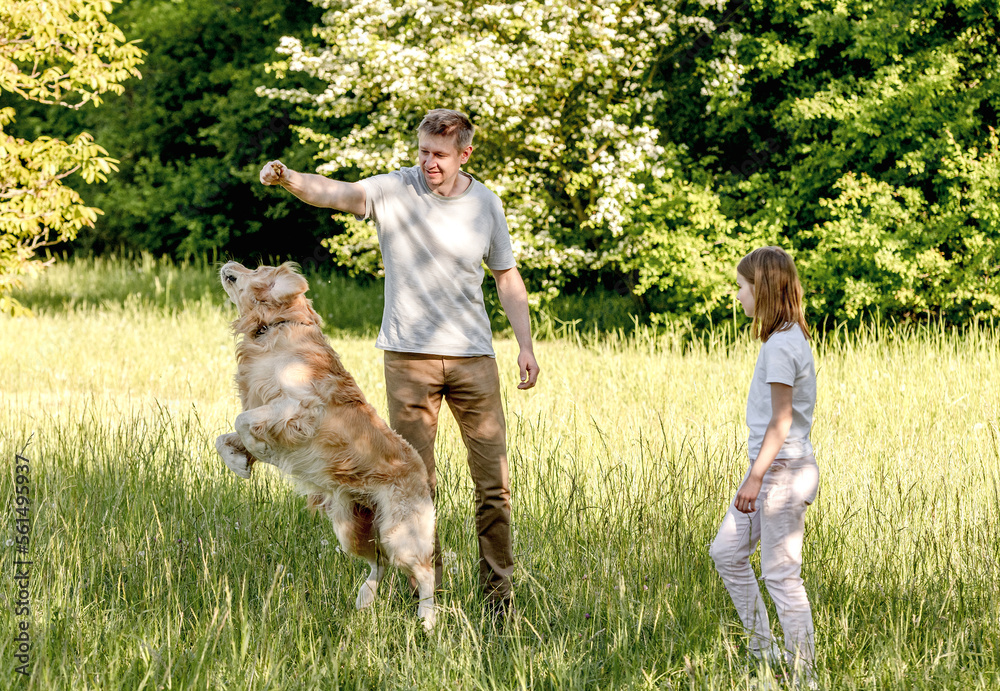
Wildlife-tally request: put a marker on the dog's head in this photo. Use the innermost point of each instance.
(267, 295)
(273, 287)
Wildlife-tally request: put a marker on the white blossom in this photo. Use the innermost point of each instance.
(559, 91)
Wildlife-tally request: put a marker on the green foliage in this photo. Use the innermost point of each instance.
(909, 252)
(638, 147)
(196, 135)
(63, 53)
(860, 136)
(651, 146)
(192, 136)
(681, 249)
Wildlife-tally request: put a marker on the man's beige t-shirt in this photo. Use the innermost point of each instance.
(433, 250)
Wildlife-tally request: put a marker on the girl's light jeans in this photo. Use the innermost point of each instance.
(778, 523)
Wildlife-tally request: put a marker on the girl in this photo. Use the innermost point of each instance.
(782, 479)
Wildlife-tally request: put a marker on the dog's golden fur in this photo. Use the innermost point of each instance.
(304, 413)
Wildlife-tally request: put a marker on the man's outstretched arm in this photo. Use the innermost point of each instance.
(514, 298)
(316, 190)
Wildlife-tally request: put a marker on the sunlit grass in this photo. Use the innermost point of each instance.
(154, 566)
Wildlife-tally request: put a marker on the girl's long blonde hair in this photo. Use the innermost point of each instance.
(777, 292)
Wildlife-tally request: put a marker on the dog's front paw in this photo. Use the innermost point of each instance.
(236, 457)
(426, 613)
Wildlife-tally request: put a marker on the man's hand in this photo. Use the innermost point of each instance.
(273, 173)
(529, 369)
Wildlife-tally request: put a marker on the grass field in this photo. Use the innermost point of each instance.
(155, 567)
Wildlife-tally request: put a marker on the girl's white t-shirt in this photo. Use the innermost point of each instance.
(785, 358)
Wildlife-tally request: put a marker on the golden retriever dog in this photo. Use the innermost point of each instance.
(304, 413)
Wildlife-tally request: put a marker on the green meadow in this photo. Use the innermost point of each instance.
(154, 567)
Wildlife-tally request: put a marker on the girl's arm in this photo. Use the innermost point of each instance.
(774, 439)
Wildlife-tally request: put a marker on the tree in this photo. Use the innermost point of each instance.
(61, 53)
(652, 144)
(860, 135)
(559, 91)
(192, 135)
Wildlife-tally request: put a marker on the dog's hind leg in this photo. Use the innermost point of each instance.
(369, 589)
(367, 548)
(354, 526)
(409, 542)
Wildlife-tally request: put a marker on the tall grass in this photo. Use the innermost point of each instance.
(350, 307)
(155, 567)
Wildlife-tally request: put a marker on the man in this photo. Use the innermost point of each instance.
(437, 225)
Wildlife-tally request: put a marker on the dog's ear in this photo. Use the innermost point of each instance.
(288, 283)
(283, 285)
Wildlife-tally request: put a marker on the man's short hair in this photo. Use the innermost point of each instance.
(442, 122)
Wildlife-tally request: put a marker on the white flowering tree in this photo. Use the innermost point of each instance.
(559, 91)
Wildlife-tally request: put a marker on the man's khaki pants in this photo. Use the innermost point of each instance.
(414, 386)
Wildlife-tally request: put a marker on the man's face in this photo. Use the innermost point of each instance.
(440, 160)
